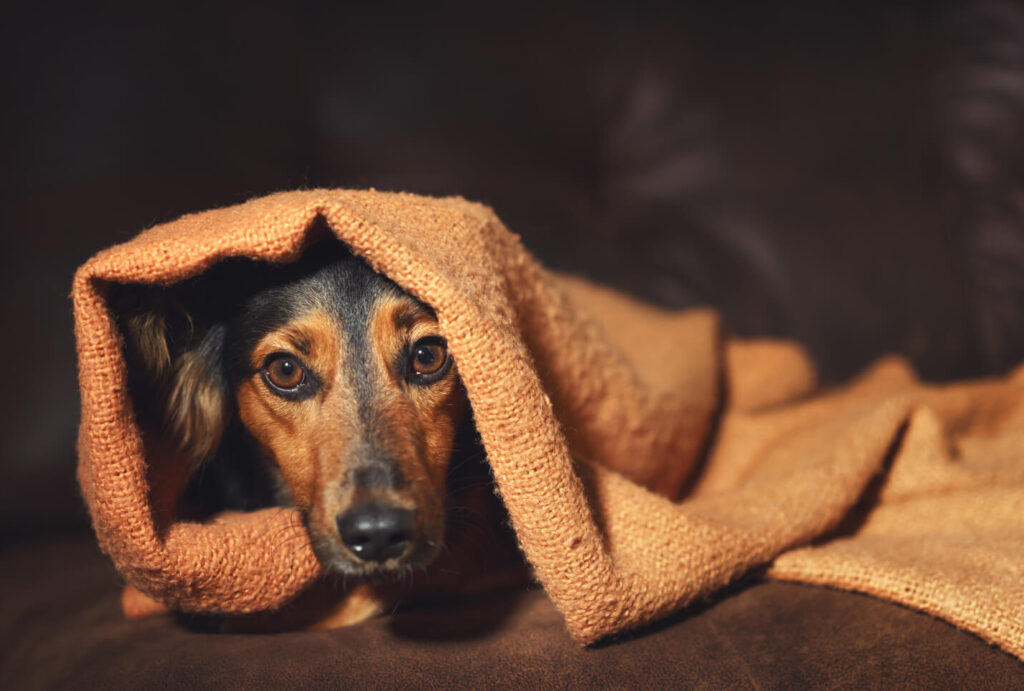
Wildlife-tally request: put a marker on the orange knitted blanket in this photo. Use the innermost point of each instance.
(644, 462)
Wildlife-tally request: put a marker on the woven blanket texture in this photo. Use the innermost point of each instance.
(644, 461)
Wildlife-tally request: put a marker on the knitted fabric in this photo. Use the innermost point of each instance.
(597, 412)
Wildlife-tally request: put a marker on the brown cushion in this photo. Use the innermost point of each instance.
(63, 625)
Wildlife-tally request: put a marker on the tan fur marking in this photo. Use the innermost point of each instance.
(293, 431)
(421, 419)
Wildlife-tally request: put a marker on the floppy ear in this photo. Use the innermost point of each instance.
(176, 369)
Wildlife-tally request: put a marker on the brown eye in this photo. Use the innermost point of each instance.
(428, 361)
(284, 372)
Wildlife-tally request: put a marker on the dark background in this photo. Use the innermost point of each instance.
(846, 176)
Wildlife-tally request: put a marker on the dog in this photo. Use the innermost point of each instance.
(323, 386)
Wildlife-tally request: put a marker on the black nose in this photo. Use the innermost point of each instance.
(376, 532)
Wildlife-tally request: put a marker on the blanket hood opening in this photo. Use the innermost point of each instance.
(524, 352)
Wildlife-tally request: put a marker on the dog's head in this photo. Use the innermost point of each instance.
(343, 381)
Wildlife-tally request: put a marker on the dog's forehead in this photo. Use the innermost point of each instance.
(349, 290)
(341, 287)
(346, 289)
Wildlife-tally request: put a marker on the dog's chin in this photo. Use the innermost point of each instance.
(337, 562)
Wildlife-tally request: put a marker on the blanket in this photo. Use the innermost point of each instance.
(645, 461)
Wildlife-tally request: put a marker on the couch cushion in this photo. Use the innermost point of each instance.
(63, 625)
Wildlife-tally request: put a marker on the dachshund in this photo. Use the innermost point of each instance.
(323, 386)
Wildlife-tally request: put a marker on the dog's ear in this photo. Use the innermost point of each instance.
(197, 396)
(176, 368)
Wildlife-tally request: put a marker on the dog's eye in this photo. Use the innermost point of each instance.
(428, 360)
(284, 372)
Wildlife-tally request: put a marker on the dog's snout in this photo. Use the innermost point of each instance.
(374, 475)
(376, 532)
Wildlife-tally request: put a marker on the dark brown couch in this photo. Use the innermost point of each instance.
(847, 177)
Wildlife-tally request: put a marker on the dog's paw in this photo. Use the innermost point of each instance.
(358, 605)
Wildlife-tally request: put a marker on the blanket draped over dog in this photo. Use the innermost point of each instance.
(644, 461)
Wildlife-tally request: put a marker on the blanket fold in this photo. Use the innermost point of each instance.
(644, 461)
